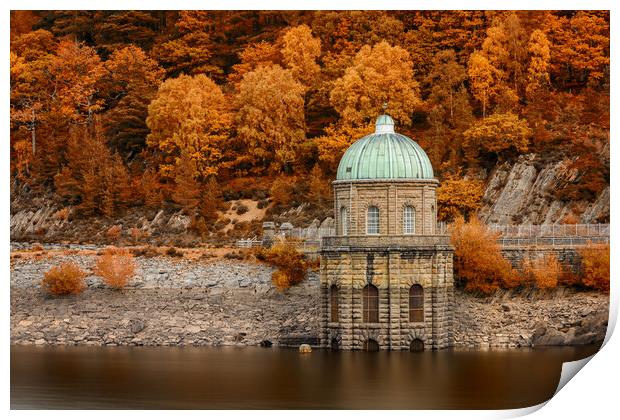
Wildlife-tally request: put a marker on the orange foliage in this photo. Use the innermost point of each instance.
(116, 266)
(595, 263)
(282, 190)
(67, 278)
(113, 233)
(291, 264)
(458, 197)
(544, 271)
(478, 262)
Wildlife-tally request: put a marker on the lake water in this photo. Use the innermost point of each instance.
(259, 378)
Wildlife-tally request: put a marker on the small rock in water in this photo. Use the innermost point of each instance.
(305, 348)
(266, 343)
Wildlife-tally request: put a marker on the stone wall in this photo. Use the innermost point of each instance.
(391, 198)
(393, 272)
(567, 256)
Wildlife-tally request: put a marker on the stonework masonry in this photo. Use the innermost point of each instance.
(393, 262)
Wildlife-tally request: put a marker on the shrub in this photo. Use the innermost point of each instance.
(478, 262)
(145, 251)
(292, 265)
(242, 209)
(136, 234)
(64, 279)
(62, 214)
(113, 233)
(595, 266)
(173, 252)
(116, 266)
(545, 272)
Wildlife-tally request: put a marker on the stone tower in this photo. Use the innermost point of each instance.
(386, 277)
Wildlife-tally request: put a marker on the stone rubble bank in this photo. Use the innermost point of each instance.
(180, 302)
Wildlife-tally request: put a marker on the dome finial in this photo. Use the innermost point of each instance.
(384, 124)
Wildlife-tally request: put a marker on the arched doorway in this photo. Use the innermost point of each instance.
(416, 345)
(371, 345)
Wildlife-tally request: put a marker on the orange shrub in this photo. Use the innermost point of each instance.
(62, 214)
(113, 233)
(65, 279)
(136, 234)
(292, 265)
(595, 266)
(116, 266)
(478, 262)
(545, 272)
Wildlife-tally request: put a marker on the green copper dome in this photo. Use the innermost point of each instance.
(384, 154)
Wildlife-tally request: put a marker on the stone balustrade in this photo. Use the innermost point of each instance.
(382, 241)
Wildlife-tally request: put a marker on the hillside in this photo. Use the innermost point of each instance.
(162, 126)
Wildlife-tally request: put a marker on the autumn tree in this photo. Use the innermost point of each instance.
(506, 49)
(190, 49)
(187, 187)
(130, 83)
(580, 48)
(499, 134)
(319, 190)
(31, 54)
(254, 55)
(538, 69)
(478, 263)
(595, 263)
(336, 140)
(190, 114)
(118, 29)
(482, 79)
(379, 74)
(76, 72)
(300, 51)
(544, 271)
(272, 130)
(93, 179)
(446, 80)
(450, 112)
(458, 197)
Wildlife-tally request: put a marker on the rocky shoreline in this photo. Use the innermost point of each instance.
(174, 302)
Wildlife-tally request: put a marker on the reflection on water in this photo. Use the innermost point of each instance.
(256, 378)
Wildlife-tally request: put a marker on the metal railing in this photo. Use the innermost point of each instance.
(553, 241)
(554, 231)
(249, 243)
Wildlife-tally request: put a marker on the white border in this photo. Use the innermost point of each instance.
(592, 395)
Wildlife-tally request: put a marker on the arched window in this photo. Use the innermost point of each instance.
(370, 303)
(372, 221)
(333, 302)
(409, 220)
(371, 345)
(416, 345)
(416, 303)
(344, 221)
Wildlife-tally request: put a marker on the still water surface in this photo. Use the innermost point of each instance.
(257, 378)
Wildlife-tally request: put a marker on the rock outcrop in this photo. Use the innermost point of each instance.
(558, 317)
(523, 193)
